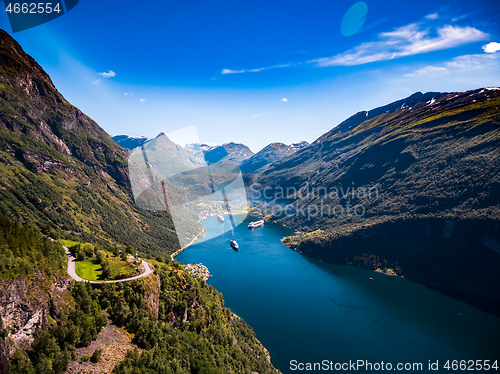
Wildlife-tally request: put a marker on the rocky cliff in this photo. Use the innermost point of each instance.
(27, 305)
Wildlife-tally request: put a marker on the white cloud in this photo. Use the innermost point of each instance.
(109, 74)
(405, 41)
(284, 99)
(229, 71)
(491, 47)
(142, 100)
(96, 81)
(126, 94)
(432, 16)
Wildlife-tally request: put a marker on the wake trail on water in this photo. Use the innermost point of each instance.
(212, 185)
(229, 211)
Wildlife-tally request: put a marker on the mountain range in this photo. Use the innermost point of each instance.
(228, 152)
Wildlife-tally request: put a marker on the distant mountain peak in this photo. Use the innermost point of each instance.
(130, 142)
(299, 145)
(228, 152)
(270, 154)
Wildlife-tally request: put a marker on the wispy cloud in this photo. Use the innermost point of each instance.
(428, 70)
(432, 16)
(109, 74)
(96, 81)
(465, 63)
(128, 94)
(142, 100)
(405, 41)
(491, 47)
(229, 71)
(284, 99)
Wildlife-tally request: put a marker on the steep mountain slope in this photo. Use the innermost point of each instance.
(57, 166)
(130, 142)
(412, 187)
(269, 155)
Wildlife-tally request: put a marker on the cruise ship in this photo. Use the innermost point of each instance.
(254, 225)
(220, 217)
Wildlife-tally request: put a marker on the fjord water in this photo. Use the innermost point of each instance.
(309, 311)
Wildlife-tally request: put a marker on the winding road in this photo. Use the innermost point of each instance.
(72, 271)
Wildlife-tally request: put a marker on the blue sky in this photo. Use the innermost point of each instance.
(257, 72)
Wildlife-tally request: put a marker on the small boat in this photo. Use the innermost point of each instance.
(220, 217)
(254, 225)
(234, 245)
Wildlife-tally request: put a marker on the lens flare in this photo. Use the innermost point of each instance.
(354, 18)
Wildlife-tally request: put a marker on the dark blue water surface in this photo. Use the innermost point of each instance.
(309, 311)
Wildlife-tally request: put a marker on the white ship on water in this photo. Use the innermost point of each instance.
(254, 225)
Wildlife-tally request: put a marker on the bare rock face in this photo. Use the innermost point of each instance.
(152, 294)
(7, 349)
(25, 306)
